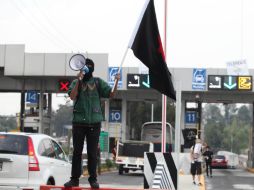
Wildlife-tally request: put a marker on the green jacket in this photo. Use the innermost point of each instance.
(87, 106)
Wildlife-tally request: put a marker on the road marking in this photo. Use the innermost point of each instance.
(243, 186)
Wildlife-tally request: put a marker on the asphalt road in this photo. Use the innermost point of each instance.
(223, 179)
(230, 179)
(114, 180)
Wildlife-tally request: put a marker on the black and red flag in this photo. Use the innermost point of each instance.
(147, 47)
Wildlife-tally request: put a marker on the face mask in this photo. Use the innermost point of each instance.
(88, 75)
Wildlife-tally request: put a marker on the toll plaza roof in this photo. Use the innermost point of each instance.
(34, 71)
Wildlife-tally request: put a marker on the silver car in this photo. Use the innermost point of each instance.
(28, 160)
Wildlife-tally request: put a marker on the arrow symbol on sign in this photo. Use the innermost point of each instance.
(147, 83)
(230, 85)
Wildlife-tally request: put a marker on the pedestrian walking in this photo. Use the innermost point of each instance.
(208, 160)
(196, 159)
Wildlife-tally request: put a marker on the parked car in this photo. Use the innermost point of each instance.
(28, 160)
(219, 161)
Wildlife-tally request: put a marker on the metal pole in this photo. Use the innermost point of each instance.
(252, 139)
(41, 130)
(152, 112)
(164, 98)
(22, 111)
(178, 126)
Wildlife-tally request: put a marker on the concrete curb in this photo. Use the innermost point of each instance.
(202, 179)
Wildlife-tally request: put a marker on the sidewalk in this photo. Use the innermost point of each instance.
(185, 183)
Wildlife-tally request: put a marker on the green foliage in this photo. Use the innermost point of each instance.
(62, 117)
(236, 137)
(230, 131)
(109, 163)
(8, 123)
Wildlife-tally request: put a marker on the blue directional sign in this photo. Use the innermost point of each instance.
(199, 79)
(115, 116)
(190, 117)
(32, 97)
(112, 71)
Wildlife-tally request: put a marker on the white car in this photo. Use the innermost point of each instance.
(28, 160)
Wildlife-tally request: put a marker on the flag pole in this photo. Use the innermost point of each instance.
(164, 97)
(119, 69)
(131, 39)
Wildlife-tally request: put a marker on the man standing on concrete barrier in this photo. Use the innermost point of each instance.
(86, 92)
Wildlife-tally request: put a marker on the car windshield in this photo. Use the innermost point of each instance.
(13, 144)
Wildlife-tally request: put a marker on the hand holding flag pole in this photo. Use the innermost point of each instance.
(117, 77)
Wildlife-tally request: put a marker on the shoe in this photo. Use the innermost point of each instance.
(194, 183)
(199, 184)
(94, 184)
(72, 183)
(211, 176)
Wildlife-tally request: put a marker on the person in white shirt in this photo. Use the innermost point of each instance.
(196, 159)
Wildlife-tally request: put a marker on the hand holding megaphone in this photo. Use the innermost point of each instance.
(78, 63)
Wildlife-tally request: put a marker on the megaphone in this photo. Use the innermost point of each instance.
(78, 62)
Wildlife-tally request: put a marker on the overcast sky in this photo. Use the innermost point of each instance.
(200, 33)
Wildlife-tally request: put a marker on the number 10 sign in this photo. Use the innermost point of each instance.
(115, 116)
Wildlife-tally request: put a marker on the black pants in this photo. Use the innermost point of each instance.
(91, 133)
(208, 167)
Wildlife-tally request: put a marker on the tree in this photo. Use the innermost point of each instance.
(8, 123)
(236, 137)
(244, 115)
(62, 117)
(229, 131)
